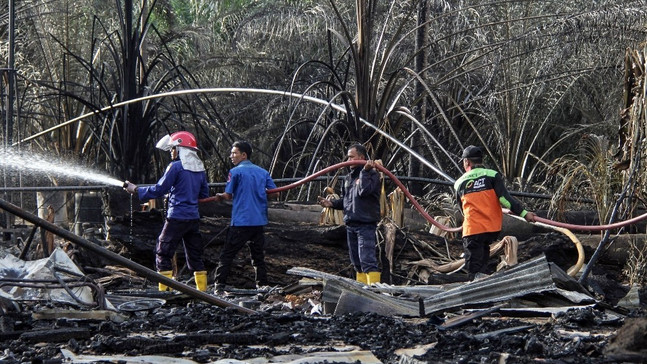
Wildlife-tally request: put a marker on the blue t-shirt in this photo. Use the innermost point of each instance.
(184, 189)
(247, 183)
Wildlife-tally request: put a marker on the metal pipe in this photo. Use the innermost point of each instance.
(138, 268)
(11, 76)
(244, 90)
(276, 180)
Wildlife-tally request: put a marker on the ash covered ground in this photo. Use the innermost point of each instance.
(290, 322)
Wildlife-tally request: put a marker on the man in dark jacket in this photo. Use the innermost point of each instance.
(360, 200)
(481, 193)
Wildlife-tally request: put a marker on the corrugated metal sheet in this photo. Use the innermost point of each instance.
(533, 276)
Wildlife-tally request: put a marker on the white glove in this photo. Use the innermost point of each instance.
(130, 188)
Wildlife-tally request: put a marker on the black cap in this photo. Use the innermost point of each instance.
(472, 152)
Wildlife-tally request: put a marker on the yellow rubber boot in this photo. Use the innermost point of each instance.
(361, 277)
(200, 280)
(373, 277)
(167, 274)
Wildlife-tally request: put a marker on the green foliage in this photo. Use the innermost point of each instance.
(523, 79)
(513, 76)
(363, 72)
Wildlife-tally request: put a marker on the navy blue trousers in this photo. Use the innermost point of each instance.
(174, 232)
(361, 247)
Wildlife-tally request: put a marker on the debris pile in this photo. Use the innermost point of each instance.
(205, 333)
(313, 313)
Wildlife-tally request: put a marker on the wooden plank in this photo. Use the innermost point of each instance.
(99, 315)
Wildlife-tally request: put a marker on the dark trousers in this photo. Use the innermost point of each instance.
(361, 247)
(237, 238)
(174, 232)
(477, 252)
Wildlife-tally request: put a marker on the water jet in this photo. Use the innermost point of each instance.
(40, 164)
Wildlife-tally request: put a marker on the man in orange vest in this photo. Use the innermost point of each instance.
(481, 193)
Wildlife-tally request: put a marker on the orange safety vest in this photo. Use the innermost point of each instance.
(481, 193)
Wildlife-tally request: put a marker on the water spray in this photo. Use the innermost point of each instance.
(41, 164)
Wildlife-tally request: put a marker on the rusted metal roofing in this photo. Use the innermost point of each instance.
(531, 277)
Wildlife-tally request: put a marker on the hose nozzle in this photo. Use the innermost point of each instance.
(125, 184)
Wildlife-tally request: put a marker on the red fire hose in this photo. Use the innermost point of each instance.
(424, 213)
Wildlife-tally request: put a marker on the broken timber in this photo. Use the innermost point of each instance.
(140, 269)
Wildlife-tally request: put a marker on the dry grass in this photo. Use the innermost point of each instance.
(588, 173)
(636, 267)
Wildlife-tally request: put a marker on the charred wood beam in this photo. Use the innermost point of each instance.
(25, 249)
(138, 268)
(509, 330)
(56, 335)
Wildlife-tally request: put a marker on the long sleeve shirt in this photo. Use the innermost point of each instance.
(481, 193)
(360, 197)
(184, 189)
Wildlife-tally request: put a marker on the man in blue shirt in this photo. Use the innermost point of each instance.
(185, 181)
(247, 184)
